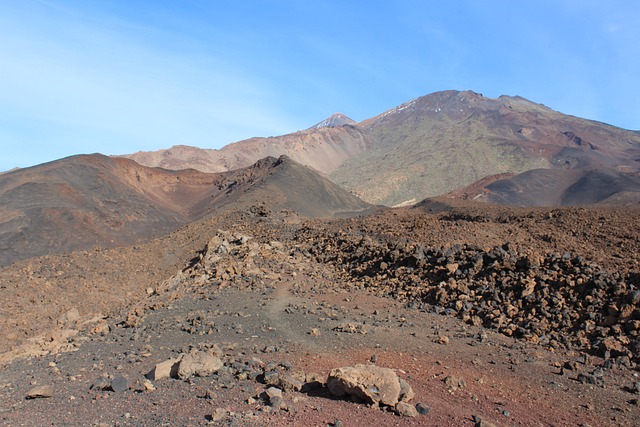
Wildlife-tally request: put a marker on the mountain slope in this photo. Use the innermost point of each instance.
(93, 200)
(323, 148)
(558, 187)
(443, 141)
(430, 146)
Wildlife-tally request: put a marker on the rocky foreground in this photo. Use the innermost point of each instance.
(403, 318)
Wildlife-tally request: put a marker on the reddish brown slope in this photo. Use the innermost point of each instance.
(86, 201)
(323, 148)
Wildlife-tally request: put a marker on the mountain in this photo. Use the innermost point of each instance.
(92, 200)
(430, 146)
(447, 140)
(334, 120)
(323, 148)
(557, 187)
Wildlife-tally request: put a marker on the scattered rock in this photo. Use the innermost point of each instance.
(406, 392)
(481, 422)
(43, 391)
(442, 339)
(454, 383)
(406, 410)
(198, 363)
(166, 369)
(422, 409)
(119, 384)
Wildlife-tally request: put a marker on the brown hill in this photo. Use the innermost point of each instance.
(556, 187)
(93, 200)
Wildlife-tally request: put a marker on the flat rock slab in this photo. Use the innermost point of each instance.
(42, 391)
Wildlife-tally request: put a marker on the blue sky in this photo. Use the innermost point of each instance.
(117, 77)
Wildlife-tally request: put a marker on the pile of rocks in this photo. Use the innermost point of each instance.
(552, 299)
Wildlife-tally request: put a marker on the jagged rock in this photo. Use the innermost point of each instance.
(370, 383)
(481, 422)
(166, 369)
(406, 410)
(273, 397)
(454, 382)
(101, 384)
(43, 391)
(198, 363)
(406, 392)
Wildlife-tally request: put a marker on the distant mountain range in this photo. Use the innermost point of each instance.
(440, 143)
(459, 144)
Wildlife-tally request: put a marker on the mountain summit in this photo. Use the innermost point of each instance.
(334, 120)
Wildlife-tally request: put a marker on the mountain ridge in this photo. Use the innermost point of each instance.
(431, 145)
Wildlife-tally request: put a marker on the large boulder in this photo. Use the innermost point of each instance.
(369, 383)
(198, 363)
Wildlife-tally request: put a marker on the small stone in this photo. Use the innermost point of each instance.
(442, 339)
(480, 422)
(219, 414)
(289, 383)
(272, 392)
(148, 385)
(589, 379)
(422, 409)
(406, 410)
(43, 391)
(101, 384)
(119, 384)
(406, 392)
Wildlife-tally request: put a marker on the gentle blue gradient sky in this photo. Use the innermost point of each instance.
(117, 77)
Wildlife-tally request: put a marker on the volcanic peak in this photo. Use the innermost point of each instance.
(334, 120)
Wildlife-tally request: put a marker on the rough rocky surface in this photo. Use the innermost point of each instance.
(371, 384)
(250, 288)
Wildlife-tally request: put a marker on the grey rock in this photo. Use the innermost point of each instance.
(422, 409)
(119, 384)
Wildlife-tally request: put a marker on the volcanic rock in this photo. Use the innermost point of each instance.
(372, 384)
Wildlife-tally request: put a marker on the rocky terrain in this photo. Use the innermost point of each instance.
(444, 314)
(444, 141)
(252, 290)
